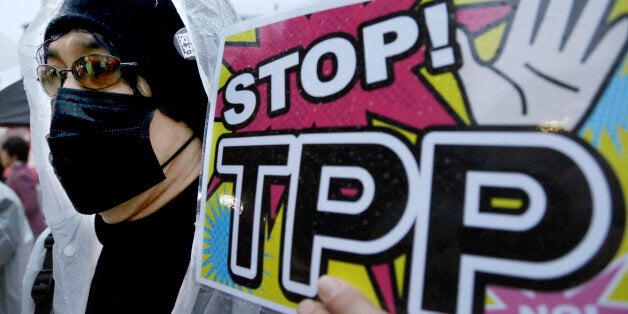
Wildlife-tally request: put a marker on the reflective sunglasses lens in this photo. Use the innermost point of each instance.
(50, 79)
(96, 71)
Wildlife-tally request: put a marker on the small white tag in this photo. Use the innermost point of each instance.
(183, 43)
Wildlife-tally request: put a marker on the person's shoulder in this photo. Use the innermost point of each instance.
(22, 172)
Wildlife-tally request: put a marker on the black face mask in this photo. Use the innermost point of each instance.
(100, 147)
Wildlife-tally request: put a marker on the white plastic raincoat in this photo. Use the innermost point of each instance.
(76, 248)
(16, 241)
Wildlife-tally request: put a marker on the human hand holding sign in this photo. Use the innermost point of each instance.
(550, 70)
(337, 297)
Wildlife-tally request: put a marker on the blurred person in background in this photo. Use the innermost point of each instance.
(16, 241)
(1, 172)
(14, 156)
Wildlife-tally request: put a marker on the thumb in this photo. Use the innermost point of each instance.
(339, 297)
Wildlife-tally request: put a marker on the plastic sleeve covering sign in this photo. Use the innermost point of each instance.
(441, 156)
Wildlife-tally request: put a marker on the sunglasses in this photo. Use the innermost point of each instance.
(93, 71)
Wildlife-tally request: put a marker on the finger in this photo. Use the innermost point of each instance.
(522, 27)
(341, 298)
(554, 26)
(309, 306)
(592, 16)
(609, 49)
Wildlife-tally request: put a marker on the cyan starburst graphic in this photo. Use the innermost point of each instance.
(216, 240)
(611, 112)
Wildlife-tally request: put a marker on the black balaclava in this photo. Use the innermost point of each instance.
(143, 31)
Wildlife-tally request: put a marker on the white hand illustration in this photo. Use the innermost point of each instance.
(546, 75)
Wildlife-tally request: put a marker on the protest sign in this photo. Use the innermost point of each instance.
(444, 156)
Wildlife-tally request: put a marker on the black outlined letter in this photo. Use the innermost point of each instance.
(371, 160)
(342, 53)
(559, 236)
(250, 160)
(241, 103)
(277, 70)
(385, 41)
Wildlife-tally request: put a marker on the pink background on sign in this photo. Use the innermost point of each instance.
(407, 101)
(589, 296)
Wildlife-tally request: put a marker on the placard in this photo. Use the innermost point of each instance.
(441, 156)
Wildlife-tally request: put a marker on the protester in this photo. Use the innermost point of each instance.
(14, 156)
(16, 241)
(127, 115)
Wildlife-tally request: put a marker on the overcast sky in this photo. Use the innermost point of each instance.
(256, 7)
(21, 12)
(18, 11)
